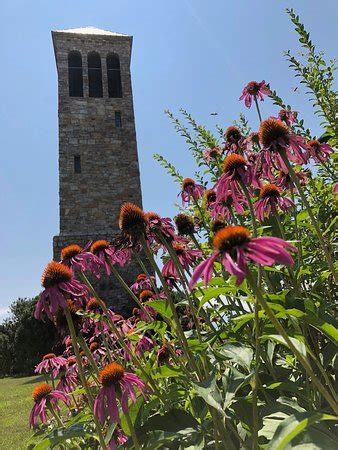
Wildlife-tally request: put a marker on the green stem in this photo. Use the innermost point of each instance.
(119, 337)
(259, 297)
(179, 329)
(257, 107)
(54, 414)
(83, 377)
(132, 431)
(309, 210)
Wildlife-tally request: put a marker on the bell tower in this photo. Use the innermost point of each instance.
(98, 162)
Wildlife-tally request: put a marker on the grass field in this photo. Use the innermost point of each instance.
(15, 405)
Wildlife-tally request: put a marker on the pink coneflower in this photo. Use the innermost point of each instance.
(236, 170)
(186, 257)
(104, 252)
(116, 383)
(270, 200)
(118, 439)
(235, 247)
(68, 381)
(190, 191)
(51, 364)
(222, 209)
(76, 258)
(132, 221)
(250, 143)
(319, 152)
(145, 344)
(211, 154)
(163, 225)
(275, 136)
(254, 90)
(142, 282)
(59, 283)
(42, 395)
(285, 182)
(287, 116)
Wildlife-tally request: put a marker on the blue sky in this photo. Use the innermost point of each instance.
(194, 54)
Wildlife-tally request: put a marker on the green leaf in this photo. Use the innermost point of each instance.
(167, 372)
(210, 393)
(162, 307)
(300, 346)
(289, 428)
(213, 292)
(232, 381)
(237, 354)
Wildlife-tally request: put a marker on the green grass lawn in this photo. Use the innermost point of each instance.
(15, 405)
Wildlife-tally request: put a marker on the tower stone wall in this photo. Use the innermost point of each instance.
(107, 172)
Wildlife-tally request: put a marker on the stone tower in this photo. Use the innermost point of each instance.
(98, 162)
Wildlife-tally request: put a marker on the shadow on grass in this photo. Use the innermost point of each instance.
(37, 379)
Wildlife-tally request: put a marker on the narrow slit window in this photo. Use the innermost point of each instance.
(77, 164)
(75, 74)
(118, 119)
(94, 75)
(114, 76)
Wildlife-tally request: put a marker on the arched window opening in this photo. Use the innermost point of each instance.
(114, 76)
(75, 75)
(94, 75)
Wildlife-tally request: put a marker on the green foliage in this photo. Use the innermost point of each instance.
(24, 339)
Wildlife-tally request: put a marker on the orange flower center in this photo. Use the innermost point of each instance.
(93, 305)
(132, 219)
(111, 374)
(187, 182)
(233, 134)
(179, 249)
(49, 356)
(233, 162)
(141, 277)
(41, 391)
(146, 295)
(217, 225)
(230, 237)
(71, 360)
(70, 251)
(272, 129)
(151, 216)
(269, 190)
(253, 87)
(210, 195)
(315, 145)
(94, 346)
(98, 246)
(55, 273)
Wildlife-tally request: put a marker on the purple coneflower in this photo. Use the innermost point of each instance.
(319, 152)
(116, 383)
(59, 283)
(287, 116)
(211, 154)
(190, 190)
(105, 252)
(270, 200)
(254, 90)
(118, 439)
(275, 136)
(42, 395)
(186, 257)
(51, 363)
(163, 225)
(142, 282)
(235, 247)
(76, 258)
(236, 170)
(285, 182)
(68, 380)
